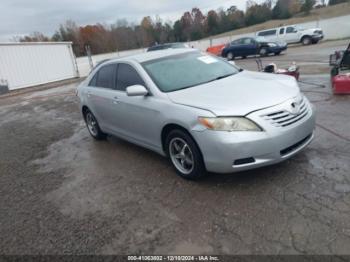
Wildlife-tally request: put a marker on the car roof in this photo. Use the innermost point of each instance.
(147, 56)
(276, 28)
(167, 44)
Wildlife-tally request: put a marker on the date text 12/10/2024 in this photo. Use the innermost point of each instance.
(173, 258)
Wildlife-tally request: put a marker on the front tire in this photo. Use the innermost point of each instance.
(93, 126)
(277, 53)
(306, 40)
(263, 51)
(184, 155)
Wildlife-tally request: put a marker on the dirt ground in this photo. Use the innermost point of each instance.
(61, 192)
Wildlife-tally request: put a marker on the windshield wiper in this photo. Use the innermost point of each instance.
(212, 80)
(220, 77)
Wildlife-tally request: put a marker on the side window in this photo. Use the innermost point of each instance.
(93, 80)
(154, 48)
(105, 77)
(127, 76)
(247, 41)
(290, 30)
(282, 31)
(267, 33)
(272, 32)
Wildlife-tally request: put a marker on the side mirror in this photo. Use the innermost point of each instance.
(136, 90)
(333, 61)
(232, 63)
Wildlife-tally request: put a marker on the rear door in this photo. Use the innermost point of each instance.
(101, 95)
(282, 34)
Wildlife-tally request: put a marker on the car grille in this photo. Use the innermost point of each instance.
(294, 147)
(283, 118)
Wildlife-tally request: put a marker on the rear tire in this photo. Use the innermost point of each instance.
(93, 126)
(184, 155)
(230, 56)
(306, 40)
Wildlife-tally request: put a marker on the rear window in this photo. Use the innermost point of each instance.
(105, 76)
(267, 33)
(154, 48)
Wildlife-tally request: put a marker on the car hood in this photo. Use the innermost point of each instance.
(311, 30)
(240, 94)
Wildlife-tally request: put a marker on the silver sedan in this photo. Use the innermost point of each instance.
(201, 112)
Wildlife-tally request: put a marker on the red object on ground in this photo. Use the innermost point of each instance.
(215, 50)
(341, 84)
(295, 74)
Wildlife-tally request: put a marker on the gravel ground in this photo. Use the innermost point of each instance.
(61, 192)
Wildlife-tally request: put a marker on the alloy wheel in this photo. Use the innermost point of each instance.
(306, 41)
(91, 124)
(181, 155)
(263, 51)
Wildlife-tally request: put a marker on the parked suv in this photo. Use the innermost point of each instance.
(292, 34)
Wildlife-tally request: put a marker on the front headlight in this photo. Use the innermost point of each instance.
(272, 45)
(229, 124)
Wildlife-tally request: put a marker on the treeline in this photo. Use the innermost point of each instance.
(193, 25)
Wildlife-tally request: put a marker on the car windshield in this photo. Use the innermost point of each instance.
(186, 70)
(178, 45)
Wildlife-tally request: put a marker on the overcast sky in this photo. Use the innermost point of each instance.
(20, 17)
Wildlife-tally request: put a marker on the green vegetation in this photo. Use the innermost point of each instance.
(193, 25)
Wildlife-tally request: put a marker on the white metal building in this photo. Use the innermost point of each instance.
(29, 64)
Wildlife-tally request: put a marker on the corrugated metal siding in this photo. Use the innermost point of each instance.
(30, 64)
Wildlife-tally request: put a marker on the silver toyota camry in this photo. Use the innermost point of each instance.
(201, 112)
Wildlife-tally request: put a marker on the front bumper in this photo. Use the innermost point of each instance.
(277, 49)
(317, 37)
(228, 152)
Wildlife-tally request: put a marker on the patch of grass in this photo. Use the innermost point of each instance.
(321, 13)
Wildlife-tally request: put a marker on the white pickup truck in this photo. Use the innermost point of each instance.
(292, 34)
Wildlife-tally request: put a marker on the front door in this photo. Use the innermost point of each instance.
(292, 35)
(136, 117)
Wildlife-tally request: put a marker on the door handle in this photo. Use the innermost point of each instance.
(89, 94)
